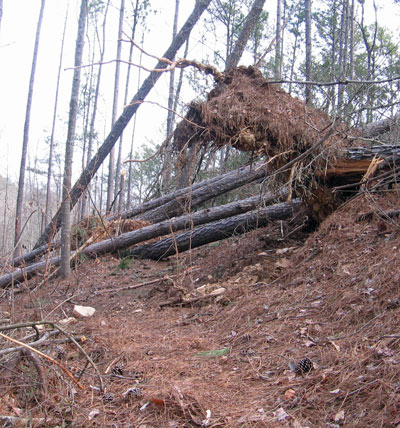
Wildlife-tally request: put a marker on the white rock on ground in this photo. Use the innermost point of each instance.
(83, 311)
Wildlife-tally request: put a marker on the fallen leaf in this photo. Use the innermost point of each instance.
(281, 415)
(214, 353)
(339, 416)
(158, 402)
(337, 347)
(290, 394)
(283, 263)
(93, 414)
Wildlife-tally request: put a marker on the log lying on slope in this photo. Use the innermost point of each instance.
(216, 231)
(188, 221)
(234, 177)
(159, 229)
(194, 199)
(175, 203)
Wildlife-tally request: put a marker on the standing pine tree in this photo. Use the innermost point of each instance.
(69, 146)
(21, 183)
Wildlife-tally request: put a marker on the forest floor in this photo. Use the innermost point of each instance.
(332, 297)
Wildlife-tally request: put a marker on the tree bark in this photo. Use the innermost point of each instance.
(69, 146)
(53, 127)
(191, 199)
(278, 57)
(1, 12)
(124, 119)
(21, 182)
(248, 27)
(216, 231)
(113, 181)
(308, 88)
(232, 178)
(166, 227)
(381, 127)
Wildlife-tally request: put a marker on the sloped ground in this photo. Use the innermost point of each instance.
(333, 299)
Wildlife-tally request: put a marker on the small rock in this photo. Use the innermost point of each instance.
(83, 311)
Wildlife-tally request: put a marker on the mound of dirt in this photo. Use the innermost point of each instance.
(226, 361)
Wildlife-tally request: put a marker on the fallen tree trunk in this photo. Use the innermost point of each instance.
(119, 126)
(234, 177)
(149, 232)
(380, 127)
(32, 255)
(175, 224)
(21, 274)
(216, 231)
(177, 202)
(190, 200)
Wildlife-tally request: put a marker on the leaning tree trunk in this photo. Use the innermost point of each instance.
(216, 231)
(193, 199)
(232, 178)
(123, 120)
(248, 27)
(69, 146)
(21, 183)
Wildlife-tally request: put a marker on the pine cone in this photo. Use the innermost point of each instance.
(135, 392)
(118, 370)
(107, 397)
(303, 366)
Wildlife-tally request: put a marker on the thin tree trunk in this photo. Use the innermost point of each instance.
(53, 127)
(248, 28)
(21, 183)
(113, 180)
(69, 146)
(128, 75)
(166, 173)
(278, 57)
(130, 172)
(129, 111)
(308, 88)
(102, 46)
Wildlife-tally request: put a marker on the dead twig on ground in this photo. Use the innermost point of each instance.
(52, 360)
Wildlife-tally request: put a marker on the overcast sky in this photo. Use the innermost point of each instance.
(16, 47)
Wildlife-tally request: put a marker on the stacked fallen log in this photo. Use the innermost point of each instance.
(216, 231)
(174, 203)
(166, 227)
